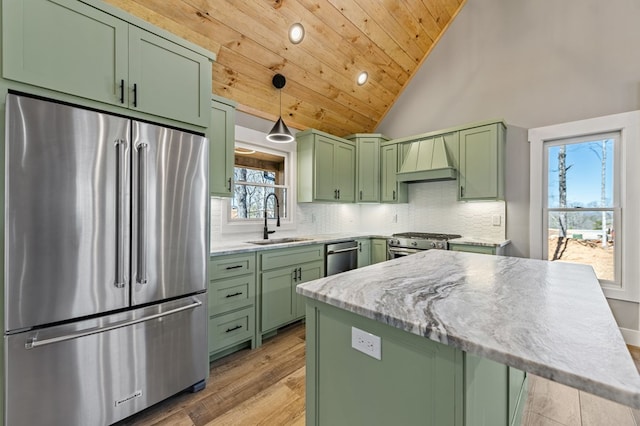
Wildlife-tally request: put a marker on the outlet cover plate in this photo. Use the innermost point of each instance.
(367, 343)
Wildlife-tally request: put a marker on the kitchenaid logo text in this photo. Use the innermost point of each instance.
(136, 394)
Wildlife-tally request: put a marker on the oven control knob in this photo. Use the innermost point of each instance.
(414, 243)
(433, 245)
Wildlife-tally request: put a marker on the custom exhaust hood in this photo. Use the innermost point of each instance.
(427, 160)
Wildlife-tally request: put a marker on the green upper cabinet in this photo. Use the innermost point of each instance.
(326, 168)
(367, 166)
(73, 48)
(168, 80)
(391, 190)
(66, 46)
(481, 174)
(222, 140)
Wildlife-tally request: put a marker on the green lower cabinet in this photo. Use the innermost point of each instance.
(364, 252)
(416, 381)
(281, 271)
(378, 250)
(232, 303)
(280, 304)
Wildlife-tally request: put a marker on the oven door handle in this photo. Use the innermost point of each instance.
(403, 251)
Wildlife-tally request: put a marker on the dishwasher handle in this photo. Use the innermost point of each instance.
(34, 342)
(342, 250)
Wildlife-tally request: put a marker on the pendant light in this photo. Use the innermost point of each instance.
(280, 133)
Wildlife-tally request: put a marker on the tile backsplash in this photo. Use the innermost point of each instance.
(432, 207)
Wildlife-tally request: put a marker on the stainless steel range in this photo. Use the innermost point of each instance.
(407, 243)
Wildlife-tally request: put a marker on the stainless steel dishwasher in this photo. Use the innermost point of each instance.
(341, 257)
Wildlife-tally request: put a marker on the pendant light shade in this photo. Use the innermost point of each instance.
(280, 133)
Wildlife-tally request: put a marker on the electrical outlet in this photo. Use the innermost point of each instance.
(313, 218)
(496, 219)
(394, 219)
(366, 343)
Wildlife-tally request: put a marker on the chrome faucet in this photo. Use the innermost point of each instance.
(266, 232)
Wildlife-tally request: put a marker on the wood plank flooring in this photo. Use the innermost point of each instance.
(266, 387)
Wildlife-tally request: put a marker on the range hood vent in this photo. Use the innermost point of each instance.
(427, 160)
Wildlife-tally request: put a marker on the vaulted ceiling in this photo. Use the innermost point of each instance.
(389, 39)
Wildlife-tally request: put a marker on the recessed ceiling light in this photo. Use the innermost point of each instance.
(243, 151)
(296, 33)
(362, 78)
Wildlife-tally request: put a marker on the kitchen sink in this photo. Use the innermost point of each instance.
(277, 241)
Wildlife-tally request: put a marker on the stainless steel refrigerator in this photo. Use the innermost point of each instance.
(106, 249)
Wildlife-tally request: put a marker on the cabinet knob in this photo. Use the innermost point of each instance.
(229, 183)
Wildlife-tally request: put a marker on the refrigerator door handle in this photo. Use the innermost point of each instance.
(34, 342)
(121, 147)
(141, 276)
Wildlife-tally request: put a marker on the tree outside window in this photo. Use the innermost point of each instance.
(257, 175)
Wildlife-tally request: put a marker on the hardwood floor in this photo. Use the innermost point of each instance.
(266, 387)
(260, 387)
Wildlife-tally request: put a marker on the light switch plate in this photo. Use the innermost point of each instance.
(496, 219)
(367, 343)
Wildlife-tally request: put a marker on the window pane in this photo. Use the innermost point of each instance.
(578, 237)
(581, 174)
(249, 202)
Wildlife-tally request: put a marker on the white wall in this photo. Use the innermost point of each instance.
(531, 63)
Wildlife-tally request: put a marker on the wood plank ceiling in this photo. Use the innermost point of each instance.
(389, 39)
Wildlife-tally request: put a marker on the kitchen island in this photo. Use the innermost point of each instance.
(456, 332)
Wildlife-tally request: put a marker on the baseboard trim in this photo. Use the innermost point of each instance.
(631, 337)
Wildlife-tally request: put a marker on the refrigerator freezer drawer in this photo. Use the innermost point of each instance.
(102, 370)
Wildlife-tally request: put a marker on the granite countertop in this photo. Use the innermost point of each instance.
(547, 318)
(471, 241)
(237, 246)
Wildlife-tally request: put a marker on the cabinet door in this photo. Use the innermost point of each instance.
(308, 272)
(168, 80)
(222, 140)
(324, 169)
(378, 250)
(388, 170)
(278, 305)
(364, 252)
(67, 46)
(368, 188)
(479, 162)
(345, 172)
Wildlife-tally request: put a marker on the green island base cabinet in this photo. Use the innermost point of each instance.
(232, 303)
(416, 381)
(281, 270)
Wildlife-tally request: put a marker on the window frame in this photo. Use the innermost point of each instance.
(253, 139)
(628, 203)
(615, 209)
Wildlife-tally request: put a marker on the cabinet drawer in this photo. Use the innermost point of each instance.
(233, 293)
(271, 259)
(229, 329)
(233, 265)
